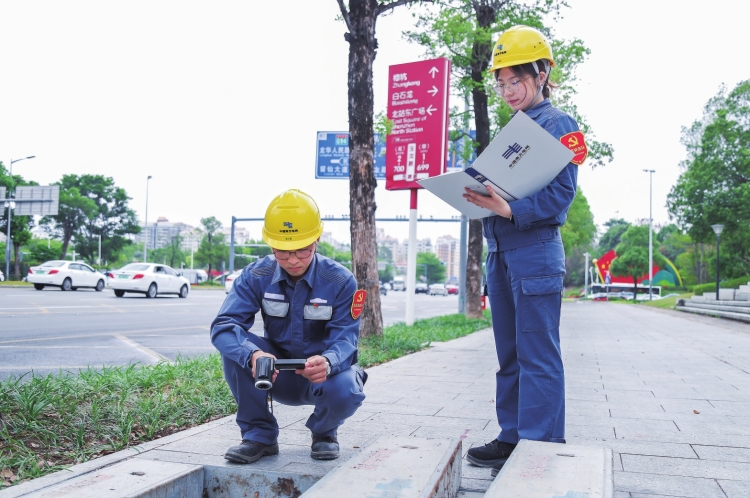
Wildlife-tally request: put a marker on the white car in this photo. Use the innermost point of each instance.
(229, 281)
(2, 277)
(149, 279)
(438, 290)
(67, 275)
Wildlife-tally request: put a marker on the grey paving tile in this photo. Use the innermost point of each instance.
(641, 484)
(414, 420)
(723, 453)
(637, 447)
(480, 485)
(735, 489)
(708, 469)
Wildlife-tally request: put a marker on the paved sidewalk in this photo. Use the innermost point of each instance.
(635, 379)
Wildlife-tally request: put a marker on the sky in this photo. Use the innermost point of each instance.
(220, 102)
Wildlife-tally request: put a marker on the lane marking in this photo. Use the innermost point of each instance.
(140, 347)
(84, 336)
(43, 310)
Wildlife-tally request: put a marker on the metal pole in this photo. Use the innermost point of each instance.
(148, 232)
(99, 260)
(231, 247)
(411, 260)
(718, 241)
(7, 240)
(586, 277)
(464, 239)
(650, 236)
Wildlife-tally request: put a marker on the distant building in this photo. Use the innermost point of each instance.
(447, 250)
(161, 232)
(241, 235)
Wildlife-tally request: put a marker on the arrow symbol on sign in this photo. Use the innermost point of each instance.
(433, 71)
(430, 110)
(434, 90)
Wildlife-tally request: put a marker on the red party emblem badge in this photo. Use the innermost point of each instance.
(575, 142)
(358, 303)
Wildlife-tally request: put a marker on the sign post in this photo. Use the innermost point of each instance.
(417, 145)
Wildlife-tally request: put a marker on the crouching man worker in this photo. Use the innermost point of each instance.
(310, 307)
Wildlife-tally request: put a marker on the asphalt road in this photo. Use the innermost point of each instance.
(49, 330)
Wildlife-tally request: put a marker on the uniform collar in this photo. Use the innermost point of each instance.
(535, 111)
(309, 276)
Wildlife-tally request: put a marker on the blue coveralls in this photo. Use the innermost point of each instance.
(525, 270)
(311, 317)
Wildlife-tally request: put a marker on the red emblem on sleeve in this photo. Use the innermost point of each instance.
(358, 303)
(575, 142)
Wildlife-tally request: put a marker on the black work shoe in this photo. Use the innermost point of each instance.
(324, 447)
(493, 453)
(250, 451)
(496, 468)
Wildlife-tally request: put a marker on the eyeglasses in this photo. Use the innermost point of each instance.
(501, 88)
(299, 253)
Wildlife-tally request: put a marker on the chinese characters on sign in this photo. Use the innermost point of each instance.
(418, 106)
(332, 156)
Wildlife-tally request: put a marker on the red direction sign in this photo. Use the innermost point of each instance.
(418, 106)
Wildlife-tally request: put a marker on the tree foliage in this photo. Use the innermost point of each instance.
(430, 268)
(615, 228)
(632, 254)
(577, 235)
(714, 187)
(93, 206)
(213, 248)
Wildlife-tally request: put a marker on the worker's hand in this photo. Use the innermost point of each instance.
(257, 355)
(494, 202)
(315, 369)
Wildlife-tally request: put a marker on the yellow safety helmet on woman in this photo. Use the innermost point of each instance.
(520, 45)
(292, 221)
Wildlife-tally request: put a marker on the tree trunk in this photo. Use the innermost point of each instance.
(635, 287)
(481, 53)
(67, 235)
(362, 183)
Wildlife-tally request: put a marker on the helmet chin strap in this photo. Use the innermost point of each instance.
(541, 85)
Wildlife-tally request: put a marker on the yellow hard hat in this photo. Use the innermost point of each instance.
(520, 45)
(292, 221)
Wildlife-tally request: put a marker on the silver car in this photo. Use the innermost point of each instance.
(438, 290)
(149, 279)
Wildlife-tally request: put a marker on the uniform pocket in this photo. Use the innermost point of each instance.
(539, 303)
(316, 319)
(318, 312)
(275, 308)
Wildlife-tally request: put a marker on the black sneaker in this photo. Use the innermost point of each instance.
(324, 447)
(493, 453)
(250, 451)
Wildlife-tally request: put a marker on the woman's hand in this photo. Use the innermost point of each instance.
(494, 202)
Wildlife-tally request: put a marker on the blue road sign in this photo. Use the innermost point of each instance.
(332, 156)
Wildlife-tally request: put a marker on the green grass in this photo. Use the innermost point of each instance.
(50, 422)
(14, 283)
(666, 303)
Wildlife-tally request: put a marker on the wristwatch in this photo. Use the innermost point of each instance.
(328, 366)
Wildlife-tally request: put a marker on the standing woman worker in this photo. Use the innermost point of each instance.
(526, 261)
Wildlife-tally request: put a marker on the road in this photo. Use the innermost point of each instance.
(49, 330)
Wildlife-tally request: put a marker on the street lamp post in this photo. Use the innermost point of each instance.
(717, 230)
(10, 204)
(148, 233)
(650, 234)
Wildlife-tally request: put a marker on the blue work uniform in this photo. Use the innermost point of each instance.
(525, 270)
(311, 317)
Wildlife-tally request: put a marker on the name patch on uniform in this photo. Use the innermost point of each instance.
(575, 142)
(270, 295)
(358, 303)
